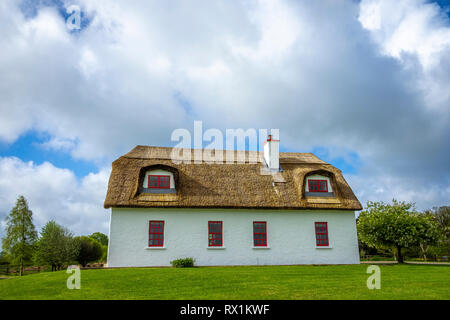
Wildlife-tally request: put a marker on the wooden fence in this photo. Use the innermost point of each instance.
(8, 269)
(11, 270)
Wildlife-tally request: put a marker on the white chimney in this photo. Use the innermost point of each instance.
(271, 153)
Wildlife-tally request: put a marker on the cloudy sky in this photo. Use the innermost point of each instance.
(365, 85)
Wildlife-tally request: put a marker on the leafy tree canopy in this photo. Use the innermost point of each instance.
(395, 225)
(100, 237)
(442, 216)
(3, 258)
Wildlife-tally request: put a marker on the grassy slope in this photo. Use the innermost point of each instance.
(269, 282)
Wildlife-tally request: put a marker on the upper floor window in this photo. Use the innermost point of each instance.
(159, 181)
(322, 234)
(215, 234)
(260, 234)
(317, 185)
(156, 234)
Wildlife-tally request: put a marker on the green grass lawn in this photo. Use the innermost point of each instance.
(264, 282)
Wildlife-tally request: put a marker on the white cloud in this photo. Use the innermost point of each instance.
(370, 77)
(277, 28)
(59, 144)
(387, 187)
(88, 62)
(370, 15)
(408, 26)
(55, 193)
(415, 29)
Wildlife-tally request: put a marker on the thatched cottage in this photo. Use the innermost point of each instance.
(275, 208)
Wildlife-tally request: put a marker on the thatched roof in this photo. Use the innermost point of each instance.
(233, 185)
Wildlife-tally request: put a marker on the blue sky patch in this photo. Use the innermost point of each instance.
(29, 148)
(350, 162)
(183, 102)
(442, 3)
(445, 5)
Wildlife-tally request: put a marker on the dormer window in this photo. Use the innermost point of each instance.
(158, 182)
(318, 185)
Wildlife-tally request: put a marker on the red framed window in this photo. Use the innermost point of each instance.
(322, 234)
(159, 181)
(318, 185)
(156, 234)
(215, 234)
(260, 234)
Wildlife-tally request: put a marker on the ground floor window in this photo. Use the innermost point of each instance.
(321, 234)
(156, 234)
(215, 234)
(260, 234)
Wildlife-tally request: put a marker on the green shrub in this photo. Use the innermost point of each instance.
(183, 263)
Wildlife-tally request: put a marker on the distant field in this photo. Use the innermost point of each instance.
(263, 282)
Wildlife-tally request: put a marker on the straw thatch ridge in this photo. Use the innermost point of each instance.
(228, 185)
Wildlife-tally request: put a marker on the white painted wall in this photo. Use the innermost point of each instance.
(159, 172)
(318, 177)
(290, 234)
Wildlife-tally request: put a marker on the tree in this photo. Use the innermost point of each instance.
(100, 237)
(56, 247)
(90, 250)
(442, 217)
(103, 239)
(21, 234)
(3, 258)
(104, 256)
(395, 226)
